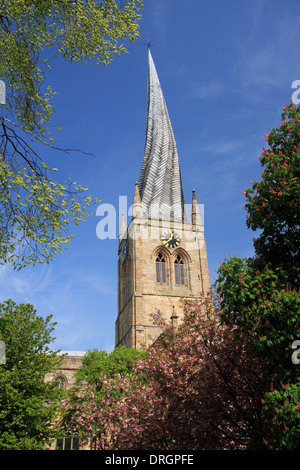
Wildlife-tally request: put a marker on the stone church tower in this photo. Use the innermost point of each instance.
(162, 252)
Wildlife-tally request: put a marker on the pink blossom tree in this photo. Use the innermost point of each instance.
(200, 387)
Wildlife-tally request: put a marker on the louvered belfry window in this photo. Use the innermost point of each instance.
(161, 272)
(179, 271)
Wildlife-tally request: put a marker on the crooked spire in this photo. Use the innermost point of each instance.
(160, 186)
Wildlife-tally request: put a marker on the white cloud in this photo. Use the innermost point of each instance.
(208, 89)
(271, 63)
(159, 16)
(224, 147)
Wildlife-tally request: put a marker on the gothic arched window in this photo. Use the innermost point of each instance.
(161, 271)
(61, 382)
(179, 271)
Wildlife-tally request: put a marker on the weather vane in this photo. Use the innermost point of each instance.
(148, 44)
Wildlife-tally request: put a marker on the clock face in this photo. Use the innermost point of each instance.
(170, 239)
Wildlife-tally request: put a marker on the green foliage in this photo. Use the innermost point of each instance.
(100, 365)
(253, 297)
(260, 295)
(78, 31)
(28, 405)
(283, 405)
(36, 211)
(98, 369)
(273, 203)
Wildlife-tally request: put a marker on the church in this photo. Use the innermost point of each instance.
(162, 256)
(162, 252)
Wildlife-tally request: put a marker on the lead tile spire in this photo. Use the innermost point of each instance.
(160, 184)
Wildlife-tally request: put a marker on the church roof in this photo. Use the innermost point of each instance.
(160, 185)
(72, 353)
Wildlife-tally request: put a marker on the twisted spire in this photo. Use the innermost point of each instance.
(160, 184)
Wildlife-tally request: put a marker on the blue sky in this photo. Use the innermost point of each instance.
(226, 68)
